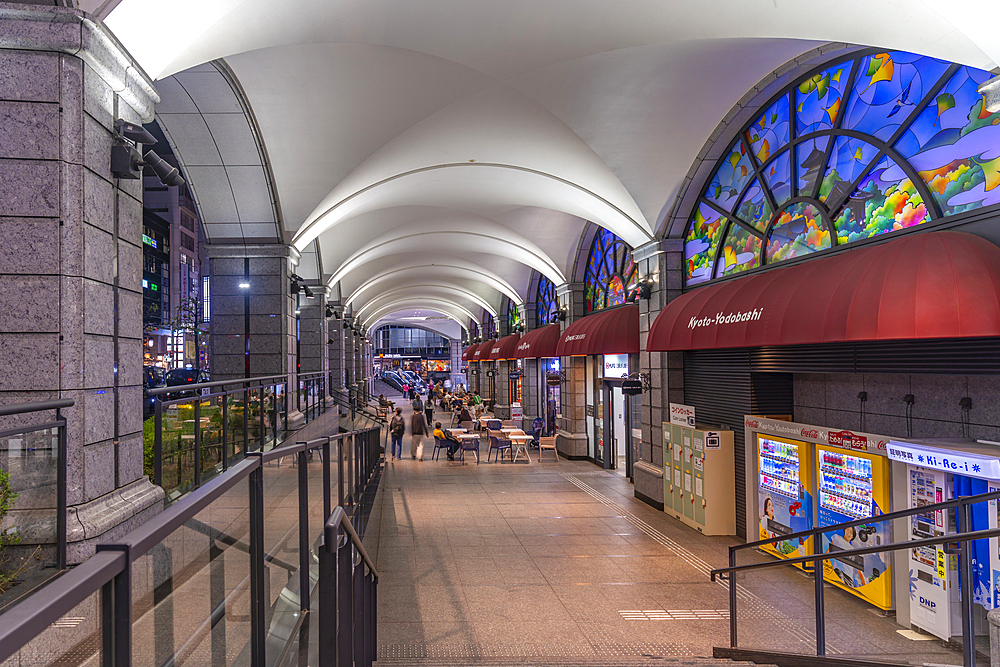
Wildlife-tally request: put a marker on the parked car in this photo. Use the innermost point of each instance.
(179, 377)
(153, 377)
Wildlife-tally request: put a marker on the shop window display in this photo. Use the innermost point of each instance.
(610, 270)
(868, 145)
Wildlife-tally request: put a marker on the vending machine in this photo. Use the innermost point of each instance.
(937, 471)
(855, 485)
(786, 503)
(699, 481)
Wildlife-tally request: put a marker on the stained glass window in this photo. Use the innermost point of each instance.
(513, 317)
(610, 271)
(866, 145)
(545, 301)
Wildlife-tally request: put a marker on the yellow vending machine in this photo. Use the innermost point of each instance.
(699, 478)
(855, 485)
(784, 472)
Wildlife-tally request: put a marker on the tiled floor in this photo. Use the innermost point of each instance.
(560, 560)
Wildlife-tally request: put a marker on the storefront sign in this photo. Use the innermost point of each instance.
(590, 410)
(516, 411)
(553, 379)
(864, 442)
(963, 463)
(513, 375)
(615, 365)
(681, 415)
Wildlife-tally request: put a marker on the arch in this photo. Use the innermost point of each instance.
(425, 237)
(443, 306)
(870, 143)
(454, 266)
(610, 270)
(434, 288)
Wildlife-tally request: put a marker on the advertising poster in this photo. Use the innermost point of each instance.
(853, 486)
(785, 505)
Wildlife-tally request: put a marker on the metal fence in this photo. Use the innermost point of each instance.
(195, 581)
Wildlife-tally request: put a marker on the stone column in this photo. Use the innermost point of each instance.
(663, 261)
(335, 330)
(71, 271)
(571, 436)
(502, 407)
(350, 358)
(313, 332)
(253, 328)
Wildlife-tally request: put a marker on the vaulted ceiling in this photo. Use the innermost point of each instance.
(433, 154)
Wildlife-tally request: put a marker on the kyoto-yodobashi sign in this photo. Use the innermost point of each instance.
(726, 318)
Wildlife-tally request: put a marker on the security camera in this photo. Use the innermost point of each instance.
(167, 173)
(132, 132)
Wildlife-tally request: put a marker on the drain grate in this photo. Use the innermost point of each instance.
(473, 651)
(674, 614)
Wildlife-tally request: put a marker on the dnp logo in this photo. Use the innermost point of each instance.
(927, 604)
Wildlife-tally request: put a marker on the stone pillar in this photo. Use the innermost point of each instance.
(313, 332)
(502, 407)
(253, 328)
(350, 358)
(571, 436)
(71, 270)
(663, 261)
(335, 330)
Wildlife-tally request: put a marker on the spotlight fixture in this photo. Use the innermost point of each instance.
(559, 315)
(127, 160)
(330, 312)
(309, 292)
(244, 285)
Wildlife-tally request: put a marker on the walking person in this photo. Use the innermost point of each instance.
(396, 429)
(418, 430)
(406, 390)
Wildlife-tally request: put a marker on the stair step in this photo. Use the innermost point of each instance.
(633, 661)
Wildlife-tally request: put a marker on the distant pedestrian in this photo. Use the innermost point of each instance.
(406, 390)
(396, 429)
(418, 405)
(418, 430)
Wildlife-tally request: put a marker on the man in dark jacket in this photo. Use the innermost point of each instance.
(418, 430)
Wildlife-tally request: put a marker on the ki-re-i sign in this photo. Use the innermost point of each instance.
(963, 463)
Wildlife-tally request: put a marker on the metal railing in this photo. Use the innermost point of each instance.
(958, 542)
(29, 445)
(184, 552)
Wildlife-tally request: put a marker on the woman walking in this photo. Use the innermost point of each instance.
(418, 430)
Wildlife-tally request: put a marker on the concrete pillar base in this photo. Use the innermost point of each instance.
(648, 480)
(296, 420)
(109, 517)
(501, 411)
(571, 445)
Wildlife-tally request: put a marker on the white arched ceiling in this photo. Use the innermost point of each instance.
(444, 306)
(451, 270)
(536, 116)
(474, 235)
(465, 297)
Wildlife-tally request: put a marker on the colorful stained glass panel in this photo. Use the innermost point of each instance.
(810, 159)
(616, 291)
(730, 178)
(887, 90)
(740, 252)
(769, 133)
(848, 160)
(778, 176)
(955, 145)
(755, 209)
(797, 231)
(704, 234)
(885, 201)
(818, 99)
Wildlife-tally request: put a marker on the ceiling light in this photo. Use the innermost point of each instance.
(244, 285)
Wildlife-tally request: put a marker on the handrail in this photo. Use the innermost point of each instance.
(339, 517)
(962, 538)
(898, 514)
(863, 551)
(215, 383)
(38, 406)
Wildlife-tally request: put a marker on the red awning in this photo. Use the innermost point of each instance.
(482, 351)
(614, 331)
(932, 285)
(468, 351)
(504, 348)
(539, 343)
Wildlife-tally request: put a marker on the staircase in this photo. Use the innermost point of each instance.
(618, 661)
